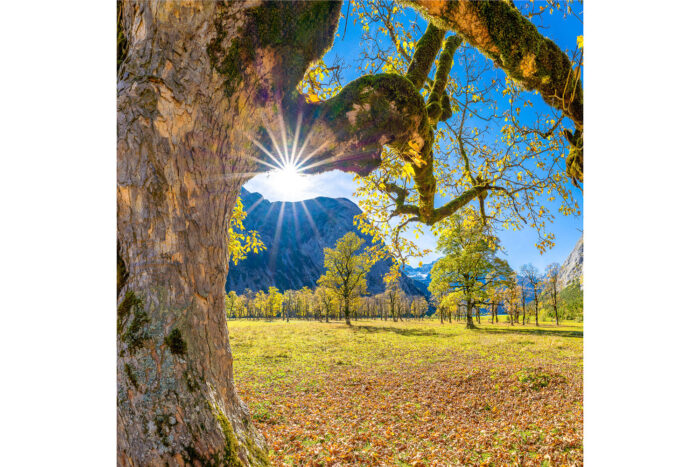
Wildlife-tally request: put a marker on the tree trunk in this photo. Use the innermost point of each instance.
(537, 322)
(188, 96)
(347, 312)
(470, 322)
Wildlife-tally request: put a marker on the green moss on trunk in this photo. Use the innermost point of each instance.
(175, 342)
(301, 31)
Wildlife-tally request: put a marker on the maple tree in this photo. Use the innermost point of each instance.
(346, 270)
(190, 112)
(552, 287)
(534, 279)
(469, 264)
(478, 148)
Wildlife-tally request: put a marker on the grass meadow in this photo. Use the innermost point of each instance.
(413, 393)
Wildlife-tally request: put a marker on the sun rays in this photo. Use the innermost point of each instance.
(289, 160)
(285, 160)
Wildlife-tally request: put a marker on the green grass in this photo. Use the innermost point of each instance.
(413, 391)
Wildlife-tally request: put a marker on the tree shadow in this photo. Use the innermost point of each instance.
(401, 331)
(532, 332)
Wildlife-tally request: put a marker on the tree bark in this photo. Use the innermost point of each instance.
(470, 321)
(347, 312)
(195, 79)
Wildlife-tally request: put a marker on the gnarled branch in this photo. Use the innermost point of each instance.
(427, 49)
(502, 33)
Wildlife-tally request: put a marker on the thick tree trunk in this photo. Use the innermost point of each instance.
(189, 94)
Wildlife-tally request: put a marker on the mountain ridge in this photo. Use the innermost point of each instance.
(295, 234)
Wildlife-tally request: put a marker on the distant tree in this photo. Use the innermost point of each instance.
(288, 301)
(305, 302)
(249, 302)
(572, 301)
(439, 291)
(346, 270)
(523, 299)
(273, 305)
(419, 307)
(553, 277)
(229, 304)
(259, 304)
(392, 294)
(511, 298)
(469, 264)
(534, 279)
(451, 303)
(325, 298)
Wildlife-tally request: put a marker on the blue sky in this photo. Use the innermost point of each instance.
(519, 246)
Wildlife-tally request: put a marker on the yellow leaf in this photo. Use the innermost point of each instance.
(579, 42)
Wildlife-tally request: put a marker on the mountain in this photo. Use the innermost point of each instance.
(295, 234)
(421, 274)
(572, 268)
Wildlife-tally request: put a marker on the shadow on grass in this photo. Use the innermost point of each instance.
(401, 331)
(532, 332)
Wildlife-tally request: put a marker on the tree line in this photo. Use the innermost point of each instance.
(319, 304)
(468, 282)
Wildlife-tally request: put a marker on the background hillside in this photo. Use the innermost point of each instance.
(295, 234)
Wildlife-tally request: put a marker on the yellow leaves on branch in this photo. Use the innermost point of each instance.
(240, 242)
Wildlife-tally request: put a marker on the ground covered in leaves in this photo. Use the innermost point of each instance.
(413, 393)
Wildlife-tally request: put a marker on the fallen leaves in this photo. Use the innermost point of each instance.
(413, 394)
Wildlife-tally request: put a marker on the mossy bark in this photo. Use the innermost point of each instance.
(499, 31)
(193, 79)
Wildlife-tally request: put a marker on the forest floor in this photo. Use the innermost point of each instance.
(413, 393)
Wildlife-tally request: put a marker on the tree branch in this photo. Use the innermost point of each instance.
(427, 49)
(502, 33)
(437, 97)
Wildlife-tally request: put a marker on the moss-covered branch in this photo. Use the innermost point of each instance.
(504, 35)
(432, 216)
(499, 31)
(348, 131)
(438, 102)
(427, 49)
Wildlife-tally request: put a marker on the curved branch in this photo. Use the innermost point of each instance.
(504, 35)
(499, 31)
(437, 95)
(348, 131)
(427, 49)
(434, 215)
